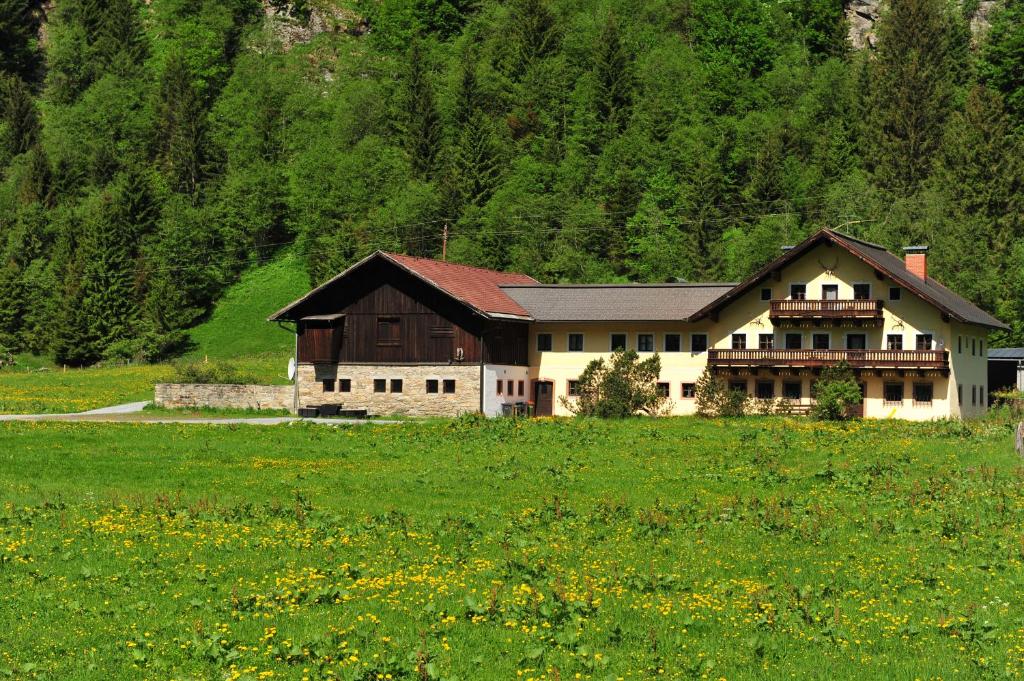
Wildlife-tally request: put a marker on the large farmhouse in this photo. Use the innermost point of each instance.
(399, 334)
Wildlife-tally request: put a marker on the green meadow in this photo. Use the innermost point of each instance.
(761, 548)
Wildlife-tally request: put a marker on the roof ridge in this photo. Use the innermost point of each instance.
(858, 240)
(389, 254)
(630, 284)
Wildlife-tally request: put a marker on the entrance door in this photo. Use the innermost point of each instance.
(543, 398)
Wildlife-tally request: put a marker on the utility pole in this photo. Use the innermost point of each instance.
(444, 243)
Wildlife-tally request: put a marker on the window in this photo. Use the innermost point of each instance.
(673, 342)
(924, 341)
(508, 387)
(766, 341)
(923, 393)
(820, 341)
(522, 388)
(543, 342)
(432, 385)
(499, 386)
(794, 341)
(959, 344)
(766, 294)
(663, 390)
(739, 341)
(738, 386)
(396, 385)
(618, 341)
(689, 390)
(830, 292)
(448, 385)
(856, 341)
(388, 331)
(574, 388)
(981, 347)
(698, 342)
(645, 342)
(974, 344)
(380, 385)
(798, 291)
(893, 393)
(766, 390)
(959, 393)
(974, 395)
(345, 385)
(895, 293)
(861, 291)
(894, 341)
(792, 390)
(575, 342)
(328, 385)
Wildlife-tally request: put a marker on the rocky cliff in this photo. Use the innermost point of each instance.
(863, 14)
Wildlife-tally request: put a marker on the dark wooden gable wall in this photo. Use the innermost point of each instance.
(392, 317)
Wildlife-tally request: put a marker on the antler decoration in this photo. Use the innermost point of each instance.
(830, 270)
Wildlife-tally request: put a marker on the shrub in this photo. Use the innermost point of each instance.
(623, 386)
(211, 372)
(715, 398)
(837, 392)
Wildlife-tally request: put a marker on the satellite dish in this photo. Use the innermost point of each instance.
(291, 369)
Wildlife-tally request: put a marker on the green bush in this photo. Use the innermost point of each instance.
(211, 372)
(715, 398)
(621, 387)
(836, 393)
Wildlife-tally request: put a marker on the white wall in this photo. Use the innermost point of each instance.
(504, 373)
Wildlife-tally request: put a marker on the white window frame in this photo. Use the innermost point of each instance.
(826, 334)
(865, 283)
(789, 292)
(654, 343)
(746, 340)
(903, 338)
(707, 343)
(618, 333)
(664, 341)
(575, 333)
(924, 332)
(823, 291)
(775, 340)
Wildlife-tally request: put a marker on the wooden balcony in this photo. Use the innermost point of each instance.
(857, 359)
(865, 312)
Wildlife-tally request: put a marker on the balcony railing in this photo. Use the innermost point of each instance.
(826, 309)
(858, 359)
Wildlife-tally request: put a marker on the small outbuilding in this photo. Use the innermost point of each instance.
(1006, 369)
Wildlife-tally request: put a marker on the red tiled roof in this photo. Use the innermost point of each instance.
(475, 286)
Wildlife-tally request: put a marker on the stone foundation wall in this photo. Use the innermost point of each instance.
(414, 400)
(224, 396)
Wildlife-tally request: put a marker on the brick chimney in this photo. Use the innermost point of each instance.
(917, 260)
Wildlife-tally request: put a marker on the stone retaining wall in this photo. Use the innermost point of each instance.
(224, 396)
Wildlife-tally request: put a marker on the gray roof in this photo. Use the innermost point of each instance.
(1006, 353)
(613, 302)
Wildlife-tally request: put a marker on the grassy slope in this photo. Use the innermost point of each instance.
(236, 331)
(754, 549)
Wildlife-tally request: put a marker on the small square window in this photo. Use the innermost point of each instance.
(509, 384)
(345, 385)
(574, 388)
(794, 341)
(895, 293)
(766, 341)
(543, 342)
(380, 385)
(861, 291)
(856, 341)
(328, 384)
(792, 390)
(689, 390)
(575, 342)
(448, 385)
(673, 342)
(766, 294)
(924, 341)
(830, 292)
(766, 390)
(923, 393)
(893, 393)
(522, 388)
(664, 389)
(738, 386)
(389, 331)
(645, 342)
(820, 341)
(698, 342)
(798, 291)
(618, 341)
(739, 341)
(432, 385)
(894, 341)
(396, 385)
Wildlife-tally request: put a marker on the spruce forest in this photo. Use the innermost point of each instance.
(151, 152)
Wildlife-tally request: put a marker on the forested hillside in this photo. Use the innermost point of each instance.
(151, 151)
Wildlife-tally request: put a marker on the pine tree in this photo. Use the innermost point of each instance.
(120, 44)
(181, 121)
(422, 123)
(614, 74)
(911, 92)
(17, 34)
(1002, 57)
(19, 122)
(533, 31)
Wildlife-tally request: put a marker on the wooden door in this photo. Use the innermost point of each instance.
(543, 398)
